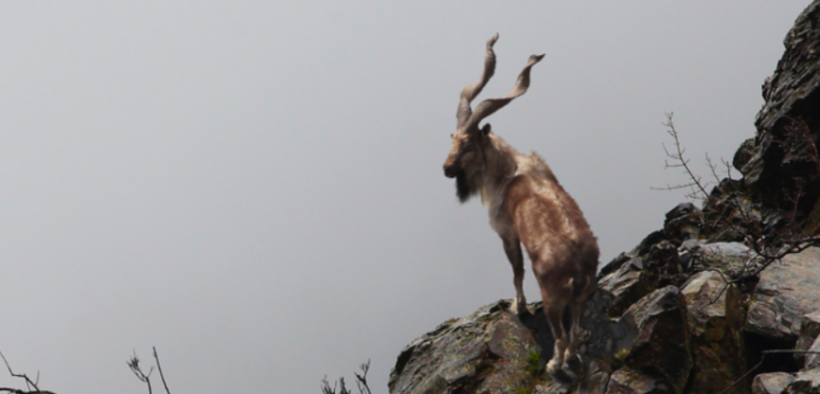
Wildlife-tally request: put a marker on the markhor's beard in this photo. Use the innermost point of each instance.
(465, 187)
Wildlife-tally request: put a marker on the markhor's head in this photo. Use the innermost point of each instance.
(467, 161)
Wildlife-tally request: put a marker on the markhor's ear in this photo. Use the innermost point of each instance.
(486, 129)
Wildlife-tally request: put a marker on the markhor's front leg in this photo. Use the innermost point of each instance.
(512, 246)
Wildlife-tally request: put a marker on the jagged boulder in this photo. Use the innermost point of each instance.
(727, 257)
(786, 292)
(485, 352)
(626, 280)
(716, 315)
(661, 347)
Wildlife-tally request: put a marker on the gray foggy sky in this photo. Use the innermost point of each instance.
(256, 187)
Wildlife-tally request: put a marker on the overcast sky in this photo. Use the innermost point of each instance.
(256, 187)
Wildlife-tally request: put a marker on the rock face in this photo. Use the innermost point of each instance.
(684, 338)
(686, 311)
(783, 154)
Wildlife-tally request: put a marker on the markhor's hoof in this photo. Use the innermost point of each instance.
(574, 365)
(522, 310)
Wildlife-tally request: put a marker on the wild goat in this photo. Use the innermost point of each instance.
(526, 205)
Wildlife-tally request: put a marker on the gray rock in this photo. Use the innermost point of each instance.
(630, 381)
(786, 292)
(727, 256)
(716, 315)
(771, 383)
(627, 284)
(806, 382)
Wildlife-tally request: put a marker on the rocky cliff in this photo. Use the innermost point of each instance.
(723, 298)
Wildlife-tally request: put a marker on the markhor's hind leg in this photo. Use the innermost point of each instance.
(554, 313)
(576, 309)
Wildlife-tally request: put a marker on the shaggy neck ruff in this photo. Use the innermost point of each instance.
(499, 169)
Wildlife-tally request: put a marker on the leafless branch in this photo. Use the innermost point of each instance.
(134, 364)
(361, 383)
(327, 390)
(696, 186)
(29, 383)
(361, 380)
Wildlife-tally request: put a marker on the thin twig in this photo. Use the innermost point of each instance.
(161, 375)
